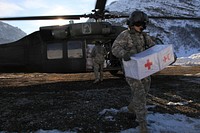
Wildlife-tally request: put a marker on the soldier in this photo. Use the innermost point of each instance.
(129, 42)
(98, 55)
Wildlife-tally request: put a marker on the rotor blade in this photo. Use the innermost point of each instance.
(174, 18)
(155, 17)
(45, 17)
(100, 4)
(108, 16)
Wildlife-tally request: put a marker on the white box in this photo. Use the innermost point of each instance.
(165, 56)
(149, 61)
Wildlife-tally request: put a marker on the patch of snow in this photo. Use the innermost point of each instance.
(177, 103)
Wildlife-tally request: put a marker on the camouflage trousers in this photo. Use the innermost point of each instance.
(139, 91)
(98, 70)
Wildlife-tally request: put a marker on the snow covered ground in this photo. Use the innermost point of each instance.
(158, 123)
(166, 123)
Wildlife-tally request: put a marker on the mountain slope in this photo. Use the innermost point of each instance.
(183, 34)
(9, 33)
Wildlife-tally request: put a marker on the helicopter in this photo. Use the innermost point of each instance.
(67, 48)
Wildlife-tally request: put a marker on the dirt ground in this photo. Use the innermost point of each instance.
(34, 101)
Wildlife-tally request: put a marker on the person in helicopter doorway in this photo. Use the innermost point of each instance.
(129, 42)
(98, 56)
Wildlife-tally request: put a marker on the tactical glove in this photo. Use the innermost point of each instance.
(127, 56)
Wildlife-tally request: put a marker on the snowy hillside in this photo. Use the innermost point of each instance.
(9, 33)
(193, 60)
(184, 35)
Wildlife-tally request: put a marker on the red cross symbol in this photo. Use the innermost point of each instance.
(166, 58)
(148, 64)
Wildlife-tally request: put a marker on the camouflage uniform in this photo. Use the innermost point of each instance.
(134, 42)
(98, 55)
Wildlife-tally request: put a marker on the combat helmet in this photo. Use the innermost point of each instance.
(138, 18)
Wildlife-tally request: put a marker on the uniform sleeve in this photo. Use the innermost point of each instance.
(150, 42)
(119, 44)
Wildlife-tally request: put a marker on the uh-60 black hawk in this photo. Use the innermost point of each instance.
(64, 49)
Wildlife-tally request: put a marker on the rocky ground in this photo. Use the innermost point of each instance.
(33, 101)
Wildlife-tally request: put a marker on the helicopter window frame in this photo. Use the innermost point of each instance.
(55, 51)
(75, 47)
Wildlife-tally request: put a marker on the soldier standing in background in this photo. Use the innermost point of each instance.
(98, 55)
(129, 42)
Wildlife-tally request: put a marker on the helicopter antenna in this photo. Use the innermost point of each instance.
(99, 10)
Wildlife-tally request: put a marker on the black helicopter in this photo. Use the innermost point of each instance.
(64, 49)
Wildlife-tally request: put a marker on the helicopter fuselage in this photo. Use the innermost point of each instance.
(60, 49)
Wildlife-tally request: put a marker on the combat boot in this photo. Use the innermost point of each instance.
(131, 108)
(143, 127)
(131, 112)
(131, 116)
(96, 81)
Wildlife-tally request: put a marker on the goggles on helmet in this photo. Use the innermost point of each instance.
(143, 24)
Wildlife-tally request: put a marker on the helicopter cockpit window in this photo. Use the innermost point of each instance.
(74, 49)
(55, 51)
